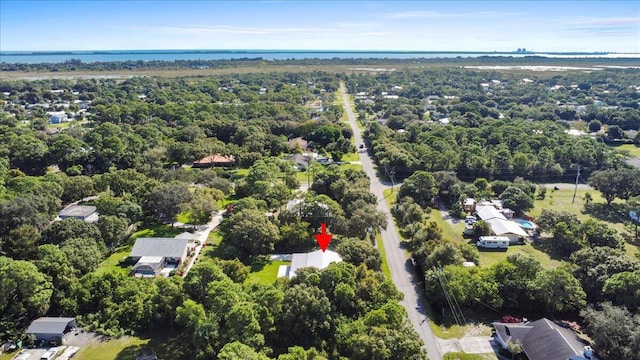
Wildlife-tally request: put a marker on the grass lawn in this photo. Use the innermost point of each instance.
(597, 210)
(383, 255)
(488, 258)
(267, 274)
(183, 217)
(390, 196)
(465, 356)
(351, 157)
(8, 356)
(628, 148)
(109, 350)
(128, 347)
(303, 176)
(215, 238)
(156, 230)
(112, 263)
(350, 166)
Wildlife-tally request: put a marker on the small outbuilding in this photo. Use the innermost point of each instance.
(81, 212)
(51, 328)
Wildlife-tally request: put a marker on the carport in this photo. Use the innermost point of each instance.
(50, 328)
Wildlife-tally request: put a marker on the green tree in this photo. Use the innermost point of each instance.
(70, 228)
(25, 295)
(22, 243)
(615, 331)
(619, 183)
(239, 351)
(77, 188)
(558, 291)
(624, 289)
(306, 316)
(113, 229)
(481, 228)
(358, 252)
(164, 203)
(53, 263)
(251, 232)
(83, 253)
(516, 199)
(594, 126)
(421, 187)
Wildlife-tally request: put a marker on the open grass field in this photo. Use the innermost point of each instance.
(562, 200)
(267, 274)
(112, 263)
(128, 347)
(488, 258)
(351, 157)
(350, 166)
(628, 148)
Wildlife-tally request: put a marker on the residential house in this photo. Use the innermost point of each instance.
(499, 224)
(318, 259)
(541, 340)
(50, 328)
(299, 161)
(81, 212)
(153, 254)
(215, 160)
(57, 117)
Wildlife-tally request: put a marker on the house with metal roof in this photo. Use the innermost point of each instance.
(51, 328)
(318, 259)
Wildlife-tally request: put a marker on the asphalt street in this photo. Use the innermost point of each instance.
(401, 269)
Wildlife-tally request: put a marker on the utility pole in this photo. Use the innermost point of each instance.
(576, 188)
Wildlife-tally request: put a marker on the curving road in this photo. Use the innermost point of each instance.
(402, 273)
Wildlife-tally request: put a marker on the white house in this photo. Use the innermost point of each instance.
(318, 259)
(57, 117)
(500, 226)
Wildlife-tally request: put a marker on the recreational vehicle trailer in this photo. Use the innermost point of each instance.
(493, 242)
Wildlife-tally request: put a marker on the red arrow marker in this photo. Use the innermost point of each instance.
(323, 238)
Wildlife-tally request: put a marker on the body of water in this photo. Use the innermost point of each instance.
(32, 57)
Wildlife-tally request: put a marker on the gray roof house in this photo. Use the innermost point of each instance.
(541, 340)
(172, 249)
(50, 328)
(81, 212)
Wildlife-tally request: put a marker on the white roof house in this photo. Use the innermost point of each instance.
(501, 227)
(489, 212)
(317, 259)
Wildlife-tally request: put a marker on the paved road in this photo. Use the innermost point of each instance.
(402, 272)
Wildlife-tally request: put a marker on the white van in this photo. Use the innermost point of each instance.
(50, 354)
(493, 242)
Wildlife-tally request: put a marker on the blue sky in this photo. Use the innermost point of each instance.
(612, 26)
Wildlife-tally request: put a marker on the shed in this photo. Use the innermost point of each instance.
(81, 212)
(51, 328)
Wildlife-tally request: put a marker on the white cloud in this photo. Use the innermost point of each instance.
(419, 14)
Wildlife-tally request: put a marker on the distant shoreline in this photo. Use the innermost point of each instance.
(285, 51)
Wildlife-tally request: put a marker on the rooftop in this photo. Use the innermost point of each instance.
(77, 211)
(165, 247)
(318, 259)
(50, 325)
